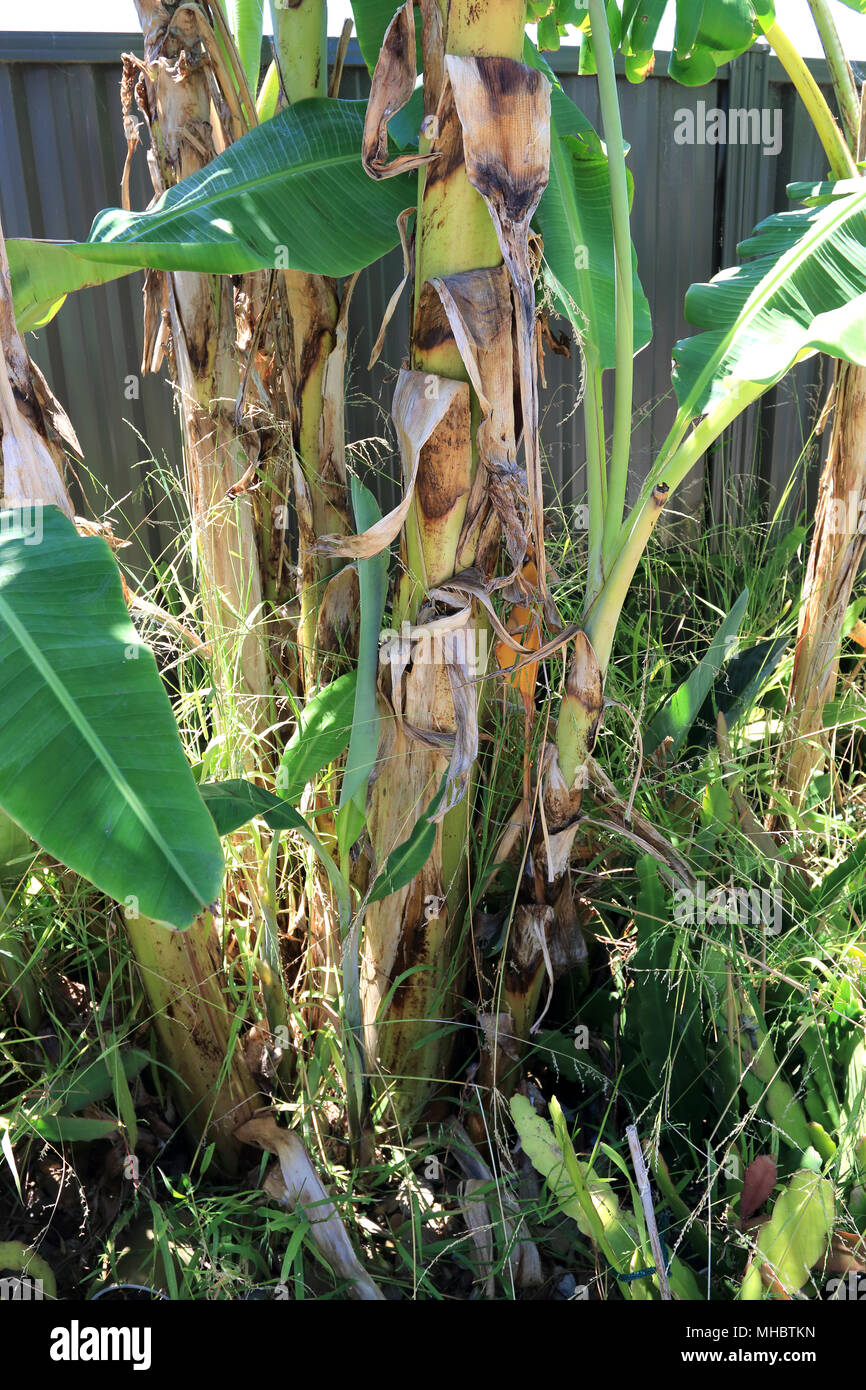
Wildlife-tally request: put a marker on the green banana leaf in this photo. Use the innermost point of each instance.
(678, 714)
(574, 219)
(91, 765)
(324, 727)
(364, 740)
(245, 18)
(290, 194)
(736, 690)
(804, 293)
(372, 18)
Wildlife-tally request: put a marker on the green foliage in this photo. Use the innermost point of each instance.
(364, 740)
(91, 765)
(795, 1237)
(282, 196)
(409, 858)
(574, 219)
(322, 735)
(800, 293)
(372, 18)
(663, 1009)
(591, 1202)
(675, 719)
(245, 22)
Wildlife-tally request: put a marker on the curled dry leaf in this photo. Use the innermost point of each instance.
(403, 228)
(470, 583)
(421, 402)
(31, 421)
(477, 306)
(392, 86)
(296, 1184)
(332, 426)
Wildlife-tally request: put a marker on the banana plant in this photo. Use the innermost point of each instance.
(791, 298)
(501, 155)
(837, 543)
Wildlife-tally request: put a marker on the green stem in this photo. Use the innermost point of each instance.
(273, 985)
(619, 205)
(300, 48)
(840, 69)
(601, 619)
(842, 164)
(596, 475)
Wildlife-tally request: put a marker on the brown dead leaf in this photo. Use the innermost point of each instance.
(421, 402)
(392, 86)
(297, 1184)
(403, 228)
(504, 110)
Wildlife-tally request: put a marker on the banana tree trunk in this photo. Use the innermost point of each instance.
(187, 89)
(182, 976)
(328, 590)
(180, 971)
(175, 93)
(317, 326)
(840, 516)
(837, 550)
(455, 421)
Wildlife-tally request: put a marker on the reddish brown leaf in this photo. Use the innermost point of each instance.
(758, 1183)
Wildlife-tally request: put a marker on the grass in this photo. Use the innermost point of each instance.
(641, 1031)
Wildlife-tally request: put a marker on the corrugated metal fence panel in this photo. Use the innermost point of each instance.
(61, 156)
(60, 116)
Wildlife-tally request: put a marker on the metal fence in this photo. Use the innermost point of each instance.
(61, 155)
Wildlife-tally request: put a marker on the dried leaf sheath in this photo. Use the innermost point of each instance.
(462, 481)
(393, 85)
(504, 110)
(327, 626)
(477, 307)
(837, 551)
